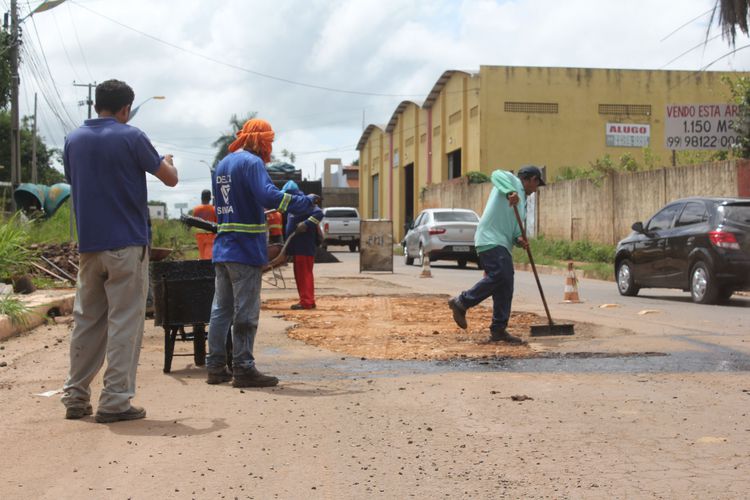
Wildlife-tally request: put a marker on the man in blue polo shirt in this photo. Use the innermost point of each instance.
(496, 234)
(106, 162)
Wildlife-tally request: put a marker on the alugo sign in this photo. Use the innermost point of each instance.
(628, 135)
(701, 126)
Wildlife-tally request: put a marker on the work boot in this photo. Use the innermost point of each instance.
(251, 377)
(76, 412)
(459, 313)
(132, 413)
(218, 376)
(297, 307)
(504, 336)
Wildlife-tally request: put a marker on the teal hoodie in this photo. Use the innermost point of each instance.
(498, 225)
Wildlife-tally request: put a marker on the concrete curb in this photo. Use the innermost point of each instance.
(43, 304)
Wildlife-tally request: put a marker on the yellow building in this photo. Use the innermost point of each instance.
(506, 117)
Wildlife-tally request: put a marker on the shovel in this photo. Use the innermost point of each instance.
(551, 328)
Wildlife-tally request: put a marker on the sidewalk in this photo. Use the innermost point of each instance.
(44, 305)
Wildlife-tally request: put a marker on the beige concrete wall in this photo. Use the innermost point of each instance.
(600, 212)
(604, 212)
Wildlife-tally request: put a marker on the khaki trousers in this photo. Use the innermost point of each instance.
(109, 314)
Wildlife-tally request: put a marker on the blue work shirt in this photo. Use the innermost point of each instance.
(105, 164)
(242, 188)
(304, 243)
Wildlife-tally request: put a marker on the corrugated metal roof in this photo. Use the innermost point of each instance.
(366, 135)
(394, 117)
(438, 87)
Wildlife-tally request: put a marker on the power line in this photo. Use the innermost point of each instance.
(702, 44)
(78, 41)
(240, 68)
(687, 23)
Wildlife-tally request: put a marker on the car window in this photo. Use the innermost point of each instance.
(693, 213)
(344, 213)
(456, 217)
(736, 213)
(419, 220)
(663, 219)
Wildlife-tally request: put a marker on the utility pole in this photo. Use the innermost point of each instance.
(15, 135)
(34, 176)
(89, 101)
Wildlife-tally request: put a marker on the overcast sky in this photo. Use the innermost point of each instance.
(317, 68)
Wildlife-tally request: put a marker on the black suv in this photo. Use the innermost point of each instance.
(696, 244)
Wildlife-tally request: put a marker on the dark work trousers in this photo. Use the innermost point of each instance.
(497, 282)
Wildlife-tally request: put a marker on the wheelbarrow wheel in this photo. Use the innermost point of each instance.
(199, 345)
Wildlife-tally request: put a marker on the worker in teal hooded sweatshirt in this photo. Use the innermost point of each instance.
(302, 248)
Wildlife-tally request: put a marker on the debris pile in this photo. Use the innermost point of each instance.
(56, 260)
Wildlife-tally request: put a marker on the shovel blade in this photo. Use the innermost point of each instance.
(553, 329)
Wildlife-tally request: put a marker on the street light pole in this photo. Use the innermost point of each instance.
(134, 110)
(15, 136)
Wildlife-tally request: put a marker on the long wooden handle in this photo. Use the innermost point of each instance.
(533, 267)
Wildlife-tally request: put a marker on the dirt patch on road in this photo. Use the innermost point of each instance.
(401, 327)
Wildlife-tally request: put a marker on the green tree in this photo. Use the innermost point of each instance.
(740, 89)
(4, 69)
(46, 173)
(228, 138)
(732, 14)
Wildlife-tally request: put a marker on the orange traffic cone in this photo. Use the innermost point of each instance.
(426, 266)
(570, 295)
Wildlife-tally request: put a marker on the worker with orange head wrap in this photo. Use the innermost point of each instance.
(242, 188)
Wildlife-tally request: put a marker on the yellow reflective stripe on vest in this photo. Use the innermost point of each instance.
(274, 226)
(313, 220)
(242, 228)
(284, 202)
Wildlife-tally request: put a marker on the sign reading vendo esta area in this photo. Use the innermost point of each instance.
(701, 126)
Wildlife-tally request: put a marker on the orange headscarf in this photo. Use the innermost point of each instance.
(257, 136)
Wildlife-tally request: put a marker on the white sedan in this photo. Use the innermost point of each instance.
(444, 234)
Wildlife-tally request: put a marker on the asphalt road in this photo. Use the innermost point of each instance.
(653, 314)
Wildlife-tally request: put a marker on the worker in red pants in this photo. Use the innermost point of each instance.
(205, 240)
(303, 247)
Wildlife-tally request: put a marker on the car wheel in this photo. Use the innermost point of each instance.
(703, 288)
(625, 281)
(461, 263)
(408, 260)
(352, 247)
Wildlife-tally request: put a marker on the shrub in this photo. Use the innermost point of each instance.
(15, 257)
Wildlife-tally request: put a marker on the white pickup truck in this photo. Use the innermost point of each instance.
(340, 226)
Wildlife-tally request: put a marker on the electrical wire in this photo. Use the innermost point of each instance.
(78, 41)
(687, 23)
(702, 44)
(240, 68)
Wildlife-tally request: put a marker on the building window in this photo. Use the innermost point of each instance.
(423, 138)
(531, 107)
(436, 131)
(455, 117)
(625, 109)
(375, 197)
(474, 112)
(409, 141)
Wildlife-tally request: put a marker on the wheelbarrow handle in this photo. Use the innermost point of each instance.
(531, 261)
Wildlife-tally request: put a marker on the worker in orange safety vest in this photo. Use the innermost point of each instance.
(274, 220)
(205, 240)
